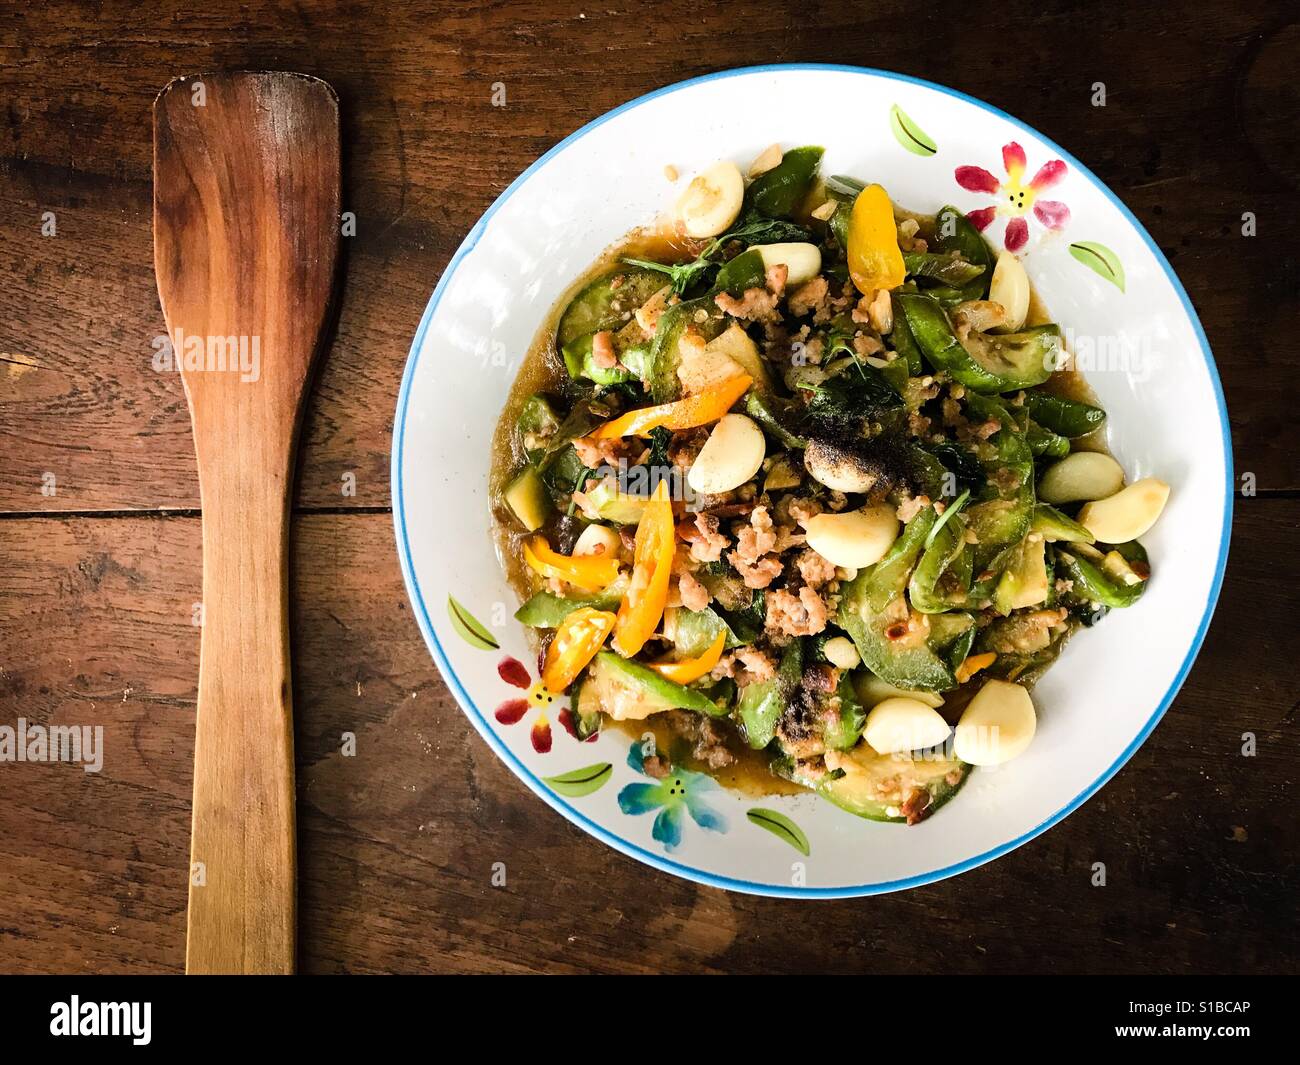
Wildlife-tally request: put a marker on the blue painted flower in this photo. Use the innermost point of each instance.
(674, 796)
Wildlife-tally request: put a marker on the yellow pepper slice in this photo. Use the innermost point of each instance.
(576, 641)
(874, 259)
(643, 604)
(973, 665)
(699, 409)
(689, 669)
(589, 572)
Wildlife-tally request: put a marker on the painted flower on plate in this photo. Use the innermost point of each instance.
(675, 794)
(512, 711)
(1016, 198)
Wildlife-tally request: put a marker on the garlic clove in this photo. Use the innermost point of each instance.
(1128, 514)
(997, 725)
(712, 200)
(730, 457)
(900, 724)
(1083, 475)
(854, 539)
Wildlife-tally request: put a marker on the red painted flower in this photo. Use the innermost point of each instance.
(1016, 198)
(512, 711)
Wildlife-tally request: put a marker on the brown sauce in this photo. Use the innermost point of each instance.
(748, 774)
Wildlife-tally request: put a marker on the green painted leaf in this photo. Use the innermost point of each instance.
(780, 826)
(1101, 260)
(469, 628)
(909, 134)
(578, 782)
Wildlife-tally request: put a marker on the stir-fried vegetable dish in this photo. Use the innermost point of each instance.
(811, 482)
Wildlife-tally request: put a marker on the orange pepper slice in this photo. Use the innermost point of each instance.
(689, 669)
(589, 572)
(643, 604)
(973, 665)
(699, 409)
(577, 639)
(874, 259)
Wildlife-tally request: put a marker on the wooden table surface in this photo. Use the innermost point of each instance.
(98, 580)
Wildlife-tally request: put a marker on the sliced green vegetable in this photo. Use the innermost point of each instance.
(844, 716)
(537, 425)
(941, 580)
(877, 785)
(890, 647)
(743, 611)
(585, 706)
(1024, 580)
(776, 416)
(1006, 502)
(1092, 582)
(844, 188)
(621, 683)
(611, 504)
(743, 272)
(779, 192)
(631, 350)
(902, 340)
(954, 233)
(562, 471)
(1068, 417)
(527, 497)
(946, 269)
(1044, 443)
(1052, 525)
(984, 362)
(605, 302)
(951, 636)
(763, 702)
(660, 370)
(695, 631)
(545, 610)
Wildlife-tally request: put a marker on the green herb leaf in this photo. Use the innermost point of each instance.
(578, 782)
(1101, 260)
(757, 229)
(909, 134)
(781, 827)
(951, 512)
(681, 277)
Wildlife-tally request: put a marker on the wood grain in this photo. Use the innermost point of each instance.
(397, 843)
(246, 211)
(1193, 134)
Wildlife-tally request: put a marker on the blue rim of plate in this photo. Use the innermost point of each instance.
(658, 861)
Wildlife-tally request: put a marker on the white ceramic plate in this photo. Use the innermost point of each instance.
(1102, 278)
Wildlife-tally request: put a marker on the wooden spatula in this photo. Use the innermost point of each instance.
(246, 215)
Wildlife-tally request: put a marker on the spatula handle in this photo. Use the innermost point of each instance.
(242, 873)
